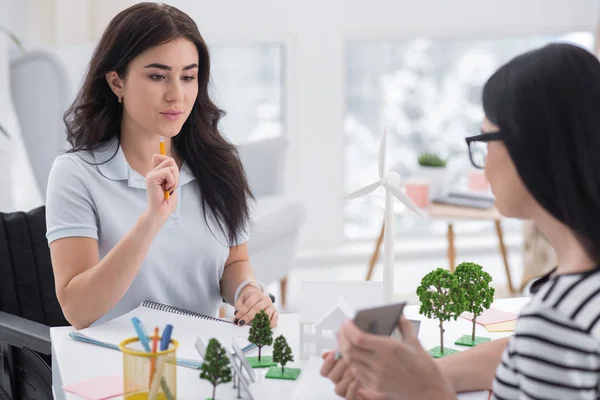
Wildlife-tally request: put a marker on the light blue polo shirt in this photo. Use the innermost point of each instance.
(91, 195)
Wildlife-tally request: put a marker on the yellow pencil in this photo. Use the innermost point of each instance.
(163, 152)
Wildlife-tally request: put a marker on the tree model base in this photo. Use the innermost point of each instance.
(437, 353)
(290, 374)
(466, 340)
(265, 362)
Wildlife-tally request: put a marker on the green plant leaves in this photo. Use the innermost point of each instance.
(431, 160)
(440, 295)
(215, 367)
(282, 353)
(475, 284)
(260, 332)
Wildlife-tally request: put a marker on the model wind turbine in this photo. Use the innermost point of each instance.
(390, 180)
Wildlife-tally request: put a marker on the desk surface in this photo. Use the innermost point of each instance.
(74, 361)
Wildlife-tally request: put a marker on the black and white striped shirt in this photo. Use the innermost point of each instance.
(555, 351)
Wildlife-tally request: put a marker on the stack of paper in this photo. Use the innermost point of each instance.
(495, 320)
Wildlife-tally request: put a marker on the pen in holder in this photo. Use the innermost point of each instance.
(137, 368)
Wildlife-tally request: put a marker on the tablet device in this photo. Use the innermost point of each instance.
(380, 320)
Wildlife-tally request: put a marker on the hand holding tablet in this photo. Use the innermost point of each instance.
(381, 320)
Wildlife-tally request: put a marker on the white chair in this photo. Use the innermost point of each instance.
(44, 83)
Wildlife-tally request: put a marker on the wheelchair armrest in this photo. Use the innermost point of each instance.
(21, 332)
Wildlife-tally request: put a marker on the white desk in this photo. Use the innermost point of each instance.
(74, 361)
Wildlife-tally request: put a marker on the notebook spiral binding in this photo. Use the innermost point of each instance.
(176, 310)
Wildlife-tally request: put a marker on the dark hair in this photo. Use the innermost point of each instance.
(94, 118)
(546, 103)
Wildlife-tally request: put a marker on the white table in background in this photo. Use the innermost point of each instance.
(74, 361)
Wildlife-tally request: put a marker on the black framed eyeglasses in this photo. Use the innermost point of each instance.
(478, 146)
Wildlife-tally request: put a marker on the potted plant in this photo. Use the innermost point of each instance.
(433, 169)
(215, 367)
(442, 299)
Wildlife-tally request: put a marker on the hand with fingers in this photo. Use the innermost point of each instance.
(250, 302)
(163, 176)
(346, 384)
(388, 369)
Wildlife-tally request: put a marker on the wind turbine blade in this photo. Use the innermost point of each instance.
(382, 149)
(403, 197)
(364, 190)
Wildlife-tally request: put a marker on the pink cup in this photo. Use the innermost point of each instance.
(478, 182)
(418, 191)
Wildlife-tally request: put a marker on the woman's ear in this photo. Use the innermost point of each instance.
(116, 84)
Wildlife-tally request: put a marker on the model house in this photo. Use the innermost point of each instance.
(320, 337)
(322, 315)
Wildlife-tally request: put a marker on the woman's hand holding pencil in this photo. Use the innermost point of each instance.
(160, 181)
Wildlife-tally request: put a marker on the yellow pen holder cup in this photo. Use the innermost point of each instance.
(137, 364)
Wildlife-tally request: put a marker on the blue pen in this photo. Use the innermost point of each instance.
(166, 337)
(141, 332)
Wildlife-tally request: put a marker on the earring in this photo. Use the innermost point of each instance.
(120, 99)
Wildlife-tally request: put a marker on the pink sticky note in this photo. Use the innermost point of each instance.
(491, 316)
(104, 387)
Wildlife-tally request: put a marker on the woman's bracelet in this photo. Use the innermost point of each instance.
(258, 284)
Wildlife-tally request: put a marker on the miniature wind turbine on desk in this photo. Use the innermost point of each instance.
(391, 181)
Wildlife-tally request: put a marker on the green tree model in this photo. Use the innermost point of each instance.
(260, 332)
(475, 284)
(215, 367)
(441, 298)
(282, 353)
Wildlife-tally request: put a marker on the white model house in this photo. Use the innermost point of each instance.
(320, 337)
(324, 307)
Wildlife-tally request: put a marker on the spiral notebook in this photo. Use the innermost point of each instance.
(187, 327)
(180, 311)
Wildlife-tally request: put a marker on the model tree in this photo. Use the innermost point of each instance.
(215, 367)
(441, 299)
(282, 353)
(478, 296)
(261, 335)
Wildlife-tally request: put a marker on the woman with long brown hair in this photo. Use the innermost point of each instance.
(127, 224)
(539, 145)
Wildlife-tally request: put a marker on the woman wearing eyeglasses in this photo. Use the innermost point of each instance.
(540, 148)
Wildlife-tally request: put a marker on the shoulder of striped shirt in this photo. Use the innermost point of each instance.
(540, 366)
(577, 315)
(552, 355)
(544, 328)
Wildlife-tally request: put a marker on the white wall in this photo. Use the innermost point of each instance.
(19, 188)
(315, 32)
